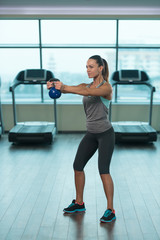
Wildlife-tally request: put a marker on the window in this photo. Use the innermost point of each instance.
(12, 61)
(65, 45)
(139, 48)
(19, 32)
(16, 54)
(139, 33)
(64, 52)
(78, 32)
(69, 65)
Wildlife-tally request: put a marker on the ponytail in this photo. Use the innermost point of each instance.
(105, 71)
(102, 62)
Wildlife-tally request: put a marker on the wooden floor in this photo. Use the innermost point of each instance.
(36, 183)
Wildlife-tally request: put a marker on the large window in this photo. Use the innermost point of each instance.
(69, 65)
(19, 32)
(12, 61)
(67, 44)
(63, 46)
(78, 32)
(139, 33)
(19, 50)
(139, 48)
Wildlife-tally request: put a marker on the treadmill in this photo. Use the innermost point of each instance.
(32, 132)
(133, 131)
(1, 119)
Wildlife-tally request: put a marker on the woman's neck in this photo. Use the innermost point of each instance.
(98, 80)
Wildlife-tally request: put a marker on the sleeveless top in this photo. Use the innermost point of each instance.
(96, 110)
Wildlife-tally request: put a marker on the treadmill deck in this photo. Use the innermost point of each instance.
(134, 132)
(32, 132)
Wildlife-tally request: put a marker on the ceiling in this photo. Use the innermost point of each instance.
(82, 7)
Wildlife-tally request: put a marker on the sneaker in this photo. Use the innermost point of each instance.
(108, 216)
(75, 207)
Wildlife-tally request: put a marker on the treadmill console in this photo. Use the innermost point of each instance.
(35, 75)
(130, 75)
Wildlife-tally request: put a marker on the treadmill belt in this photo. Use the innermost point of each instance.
(32, 129)
(34, 132)
(134, 132)
(132, 129)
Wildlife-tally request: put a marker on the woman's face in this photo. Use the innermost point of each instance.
(93, 70)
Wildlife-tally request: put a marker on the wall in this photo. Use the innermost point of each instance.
(72, 117)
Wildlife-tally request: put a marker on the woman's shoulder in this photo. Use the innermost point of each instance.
(83, 84)
(109, 90)
(107, 84)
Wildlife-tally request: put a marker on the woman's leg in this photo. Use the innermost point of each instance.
(105, 148)
(86, 149)
(79, 185)
(108, 189)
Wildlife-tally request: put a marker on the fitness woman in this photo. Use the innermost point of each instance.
(99, 135)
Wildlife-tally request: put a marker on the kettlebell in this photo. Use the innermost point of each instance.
(53, 92)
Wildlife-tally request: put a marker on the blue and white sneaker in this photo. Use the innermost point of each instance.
(108, 216)
(75, 207)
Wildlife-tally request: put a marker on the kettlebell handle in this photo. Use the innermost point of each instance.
(53, 80)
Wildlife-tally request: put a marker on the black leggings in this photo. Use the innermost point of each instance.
(104, 142)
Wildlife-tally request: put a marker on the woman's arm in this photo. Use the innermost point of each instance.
(104, 91)
(71, 89)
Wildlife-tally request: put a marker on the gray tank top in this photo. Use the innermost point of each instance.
(96, 110)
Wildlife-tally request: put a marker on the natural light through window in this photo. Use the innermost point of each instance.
(63, 46)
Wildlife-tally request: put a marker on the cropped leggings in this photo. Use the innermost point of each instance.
(104, 142)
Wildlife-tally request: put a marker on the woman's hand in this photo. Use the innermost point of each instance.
(59, 85)
(50, 84)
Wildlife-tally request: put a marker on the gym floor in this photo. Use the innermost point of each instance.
(37, 182)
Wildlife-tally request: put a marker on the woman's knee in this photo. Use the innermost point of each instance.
(77, 167)
(104, 171)
(103, 167)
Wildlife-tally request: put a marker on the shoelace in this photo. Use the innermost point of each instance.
(107, 213)
(71, 204)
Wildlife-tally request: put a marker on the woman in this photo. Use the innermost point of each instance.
(99, 135)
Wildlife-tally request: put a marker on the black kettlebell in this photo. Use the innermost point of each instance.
(53, 92)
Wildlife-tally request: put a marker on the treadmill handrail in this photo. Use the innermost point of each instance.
(135, 83)
(14, 85)
(17, 82)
